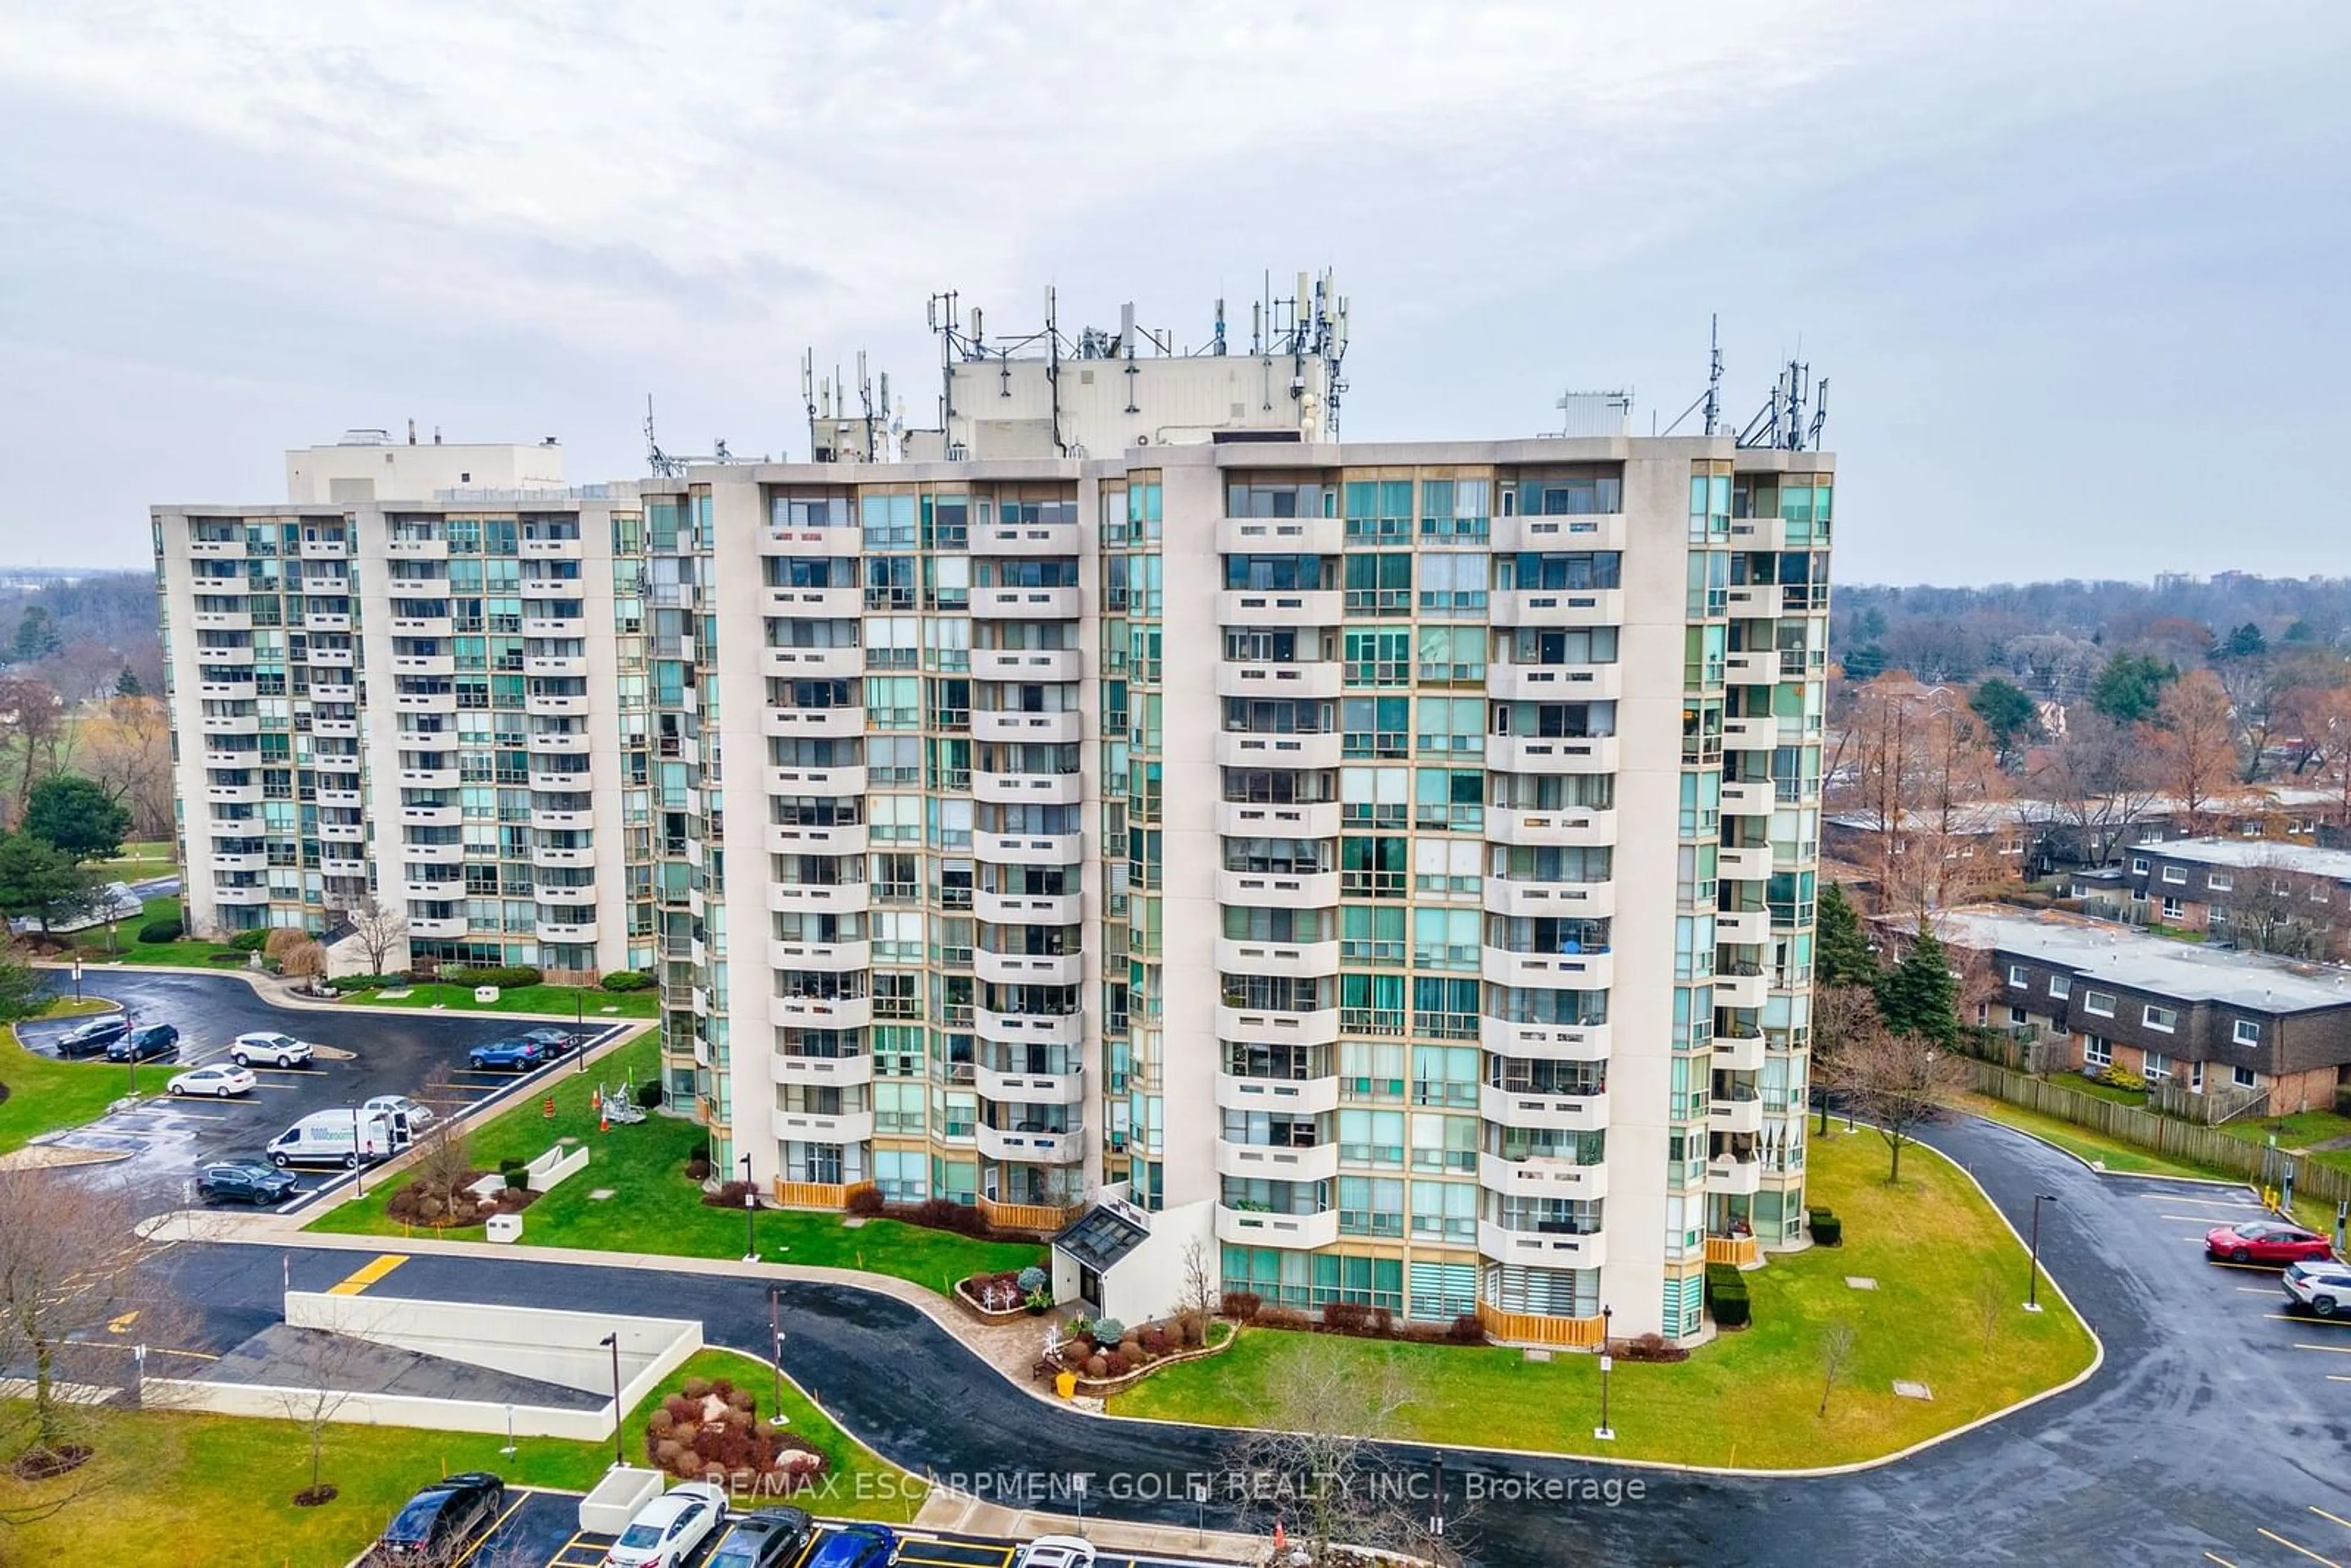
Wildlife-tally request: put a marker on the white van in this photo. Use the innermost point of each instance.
(336, 1138)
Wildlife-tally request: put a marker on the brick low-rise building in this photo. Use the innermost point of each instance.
(2208, 1018)
(2278, 896)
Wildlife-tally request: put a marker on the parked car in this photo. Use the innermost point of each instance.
(439, 1521)
(769, 1538)
(336, 1138)
(666, 1531)
(1056, 1552)
(2324, 1286)
(2265, 1241)
(509, 1056)
(419, 1114)
(276, 1049)
(245, 1181)
(855, 1546)
(220, 1080)
(145, 1044)
(556, 1041)
(91, 1038)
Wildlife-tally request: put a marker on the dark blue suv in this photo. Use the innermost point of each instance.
(510, 1056)
(143, 1044)
(855, 1546)
(438, 1522)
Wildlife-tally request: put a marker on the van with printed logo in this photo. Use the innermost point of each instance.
(337, 1138)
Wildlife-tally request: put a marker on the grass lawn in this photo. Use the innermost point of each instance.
(2074, 1083)
(139, 860)
(657, 1210)
(589, 1002)
(45, 1094)
(2298, 1131)
(128, 950)
(1749, 1399)
(218, 1489)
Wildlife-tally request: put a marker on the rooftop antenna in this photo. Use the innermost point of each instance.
(807, 396)
(660, 462)
(1053, 367)
(1711, 399)
(865, 402)
(718, 452)
(1216, 344)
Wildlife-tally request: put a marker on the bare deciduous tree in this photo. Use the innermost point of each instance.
(1842, 1015)
(36, 737)
(2198, 744)
(1196, 1304)
(444, 1152)
(322, 1363)
(2095, 784)
(1895, 1081)
(379, 929)
(126, 748)
(1837, 1358)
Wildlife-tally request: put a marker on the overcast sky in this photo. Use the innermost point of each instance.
(2077, 273)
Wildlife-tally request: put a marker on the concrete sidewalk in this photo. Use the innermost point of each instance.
(954, 1513)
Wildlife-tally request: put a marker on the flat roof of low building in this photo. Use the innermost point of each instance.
(2125, 957)
(2255, 854)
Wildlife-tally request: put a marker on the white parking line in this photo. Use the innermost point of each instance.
(2306, 1551)
(2324, 1349)
(2202, 1202)
(2321, 1513)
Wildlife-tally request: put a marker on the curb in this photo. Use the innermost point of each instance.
(262, 985)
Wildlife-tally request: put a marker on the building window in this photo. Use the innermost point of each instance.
(2247, 1032)
(2138, 865)
(2175, 875)
(2096, 1052)
(2171, 909)
(2158, 1067)
(2060, 986)
(2219, 882)
(2098, 1004)
(2016, 975)
(2243, 1077)
(2164, 1019)
(2317, 892)
(2017, 1016)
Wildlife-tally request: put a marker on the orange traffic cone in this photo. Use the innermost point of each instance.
(603, 1120)
(1281, 1539)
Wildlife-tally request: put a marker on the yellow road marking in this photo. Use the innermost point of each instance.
(469, 1554)
(2306, 1551)
(369, 1275)
(122, 1325)
(2315, 1323)
(2321, 1513)
(2252, 1268)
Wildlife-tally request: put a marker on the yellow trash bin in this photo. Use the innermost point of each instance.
(1065, 1384)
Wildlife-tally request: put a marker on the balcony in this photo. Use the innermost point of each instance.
(244, 688)
(1558, 607)
(1309, 960)
(820, 1012)
(1264, 1026)
(1752, 604)
(1752, 670)
(326, 549)
(562, 855)
(1284, 1096)
(1026, 603)
(841, 839)
(1742, 928)
(257, 860)
(1027, 909)
(1277, 1163)
(1031, 1029)
(1023, 539)
(811, 664)
(1288, 607)
(229, 723)
(554, 665)
(1551, 753)
(1028, 849)
(345, 832)
(1281, 535)
(1750, 734)
(572, 548)
(1252, 1227)
(1042, 789)
(1065, 726)
(1545, 1041)
(443, 889)
(1548, 1112)
(1572, 827)
(842, 1070)
(566, 626)
(816, 604)
(434, 855)
(1028, 1088)
(241, 895)
(568, 931)
(1044, 1148)
(1032, 969)
(835, 782)
(1748, 864)
(422, 626)
(335, 728)
(1541, 1177)
(1572, 971)
(1541, 1248)
(1748, 800)
(1598, 530)
(1737, 1179)
(1735, 1116)
(217, 550)
(807, 1127)
(840, 958)
(562, 820)
(432, 816)
(1027, 664)
(556, 742)
(1251, 819)
(818, 898)
(554, 704)
(1536, 899)
(223, 619)
(426, 702)
(1285, 890)
(436, 925)
(1737, 1053)
(1555, 683)
(1236, 749)
(835, 723)
(1320, 679)
(1741, 992)
(416, 550)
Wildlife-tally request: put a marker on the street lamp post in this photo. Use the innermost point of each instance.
(1605, 1432)
(613, 1342)
(750, 1213)
(1078, 1490)
(776, 1342)
(358, 1160)
(2032, 1282)
(1437, 1497)
(76, 972)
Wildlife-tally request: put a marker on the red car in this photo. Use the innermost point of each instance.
(2266, 1241)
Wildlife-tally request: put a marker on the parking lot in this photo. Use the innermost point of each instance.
(541, 1530)
(360, 1055)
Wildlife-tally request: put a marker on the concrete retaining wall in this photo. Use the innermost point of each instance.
(381, 1410)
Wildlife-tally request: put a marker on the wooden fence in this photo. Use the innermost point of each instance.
(2161, 1134)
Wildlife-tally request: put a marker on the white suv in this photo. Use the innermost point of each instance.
(2321, 1284)
(273, 1050)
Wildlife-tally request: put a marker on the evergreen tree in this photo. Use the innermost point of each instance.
(37, 636)
(2007, 713)
(127, 684)
(1919, 996)
(2130, 686)
(76, 817)
(1841, 953)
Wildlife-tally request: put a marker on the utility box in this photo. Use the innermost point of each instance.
(505, 1227)
(486, 993)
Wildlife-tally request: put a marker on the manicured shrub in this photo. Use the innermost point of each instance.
(1466, 1329)
(1032, 1279)
(1828, 1230)
(695, 1389)
(1241, 1306)
(867, 1201)
(518, 1179)
(627, 980)
(503, 976)
(1346, 1317)
(250, 941)
(1098, 1367)
(697, 1170)
(162, 931)
(946, 1214)
(1155, 1341)
(1651, 1347)
(729, 1196)
(1280, 1317)
(1726, 1295)
(649, 1094)
(1109, 1331)
(1117, 1363)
